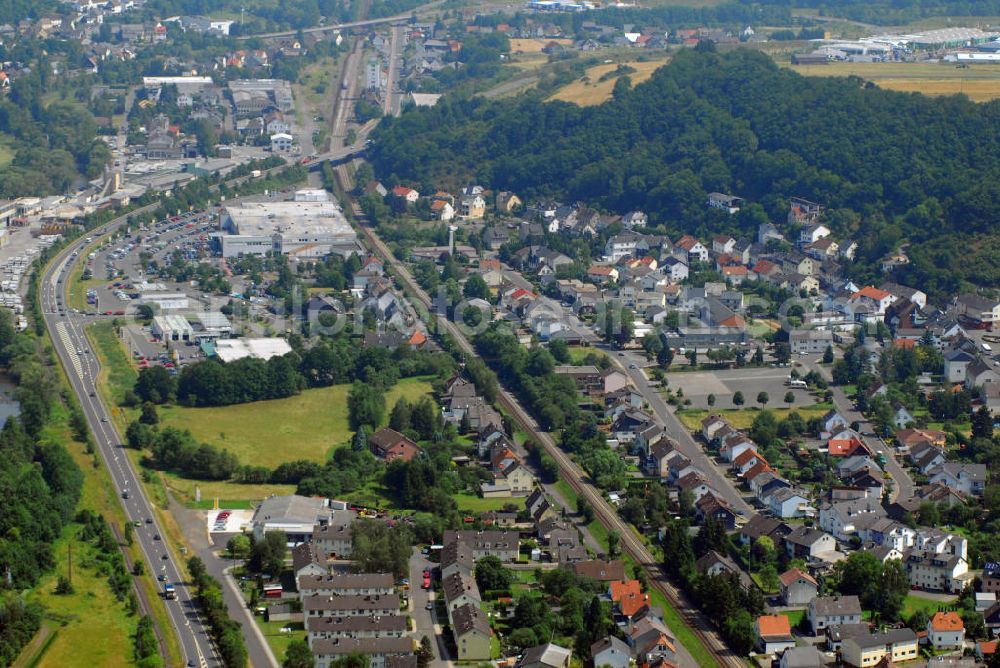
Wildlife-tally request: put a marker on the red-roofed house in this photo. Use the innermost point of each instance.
(442, 210)
(695, 249)
(774, 634)
(409, 194)
(735, 274)
(874, 298)
(628, 597)
(765, 268)
(390, 445)
(798, 587)
(946, 630)
(846, 447)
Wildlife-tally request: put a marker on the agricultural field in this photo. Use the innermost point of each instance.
(591, 90)
(980, 83)
(534, 45)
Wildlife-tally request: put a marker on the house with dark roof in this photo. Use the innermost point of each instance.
(806, 543)
(797, 587)
(389, 445)
(603, 571)
(611, 651)
(824, 611)
(472, 633)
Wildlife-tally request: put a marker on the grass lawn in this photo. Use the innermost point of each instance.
(914, 603)
(758, 328)
(577, 353)
(683, 632)
(795, 617)
(277, 640)
(92, 612)
(475, 504)
(590, 90)
(266, 433)
(567, 493)
(743, 418)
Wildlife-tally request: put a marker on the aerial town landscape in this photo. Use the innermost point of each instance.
(557, 334)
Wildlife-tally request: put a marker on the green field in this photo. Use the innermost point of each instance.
(577, 353)
(743, 418)
(930, 606)
(476, 504)
(91, 612)
(266, 433)
(277, 640)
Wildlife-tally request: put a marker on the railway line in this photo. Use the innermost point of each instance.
(571, 472)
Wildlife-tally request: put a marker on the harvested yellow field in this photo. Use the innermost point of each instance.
(589, 90)
(981, 83)
(534, 45)
(975, 90)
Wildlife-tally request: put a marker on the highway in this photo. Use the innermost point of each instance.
(82, 368)
(577, 479)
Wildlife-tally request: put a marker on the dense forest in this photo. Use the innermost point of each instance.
(40, 485)
(891, 167)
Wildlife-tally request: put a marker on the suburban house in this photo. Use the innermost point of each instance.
(389, 445)
(806, 543)
(545, 656)
(946, 630)
(610, 651)
(963, 477)
(797, 587)
(503, 545)
(825, 611)
(774, 634)
(869, 649)
(460, 590)
(472, 633)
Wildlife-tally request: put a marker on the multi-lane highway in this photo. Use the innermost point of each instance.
(82, 368)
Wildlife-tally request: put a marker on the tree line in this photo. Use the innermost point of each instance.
(331, 361)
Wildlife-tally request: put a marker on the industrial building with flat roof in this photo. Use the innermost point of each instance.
(229, 350)
(172, 328)
(307, 226)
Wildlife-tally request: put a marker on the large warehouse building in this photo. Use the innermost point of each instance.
(309, 226)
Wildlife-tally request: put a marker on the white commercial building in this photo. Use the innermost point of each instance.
(307, 227)
(214, 325)
(229, 350)
(172, 328)
(165, 301)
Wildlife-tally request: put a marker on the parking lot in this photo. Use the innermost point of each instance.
(724, 383)
(228, 521)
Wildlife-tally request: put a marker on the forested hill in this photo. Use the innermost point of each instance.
(890, 166)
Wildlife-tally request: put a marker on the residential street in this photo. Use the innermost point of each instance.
(426, 620)
(631, 364)
(902, 487)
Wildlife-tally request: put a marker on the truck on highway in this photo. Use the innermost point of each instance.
(168, 591)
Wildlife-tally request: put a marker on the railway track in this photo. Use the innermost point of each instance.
(569, 471)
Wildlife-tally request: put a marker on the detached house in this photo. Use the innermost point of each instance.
(695, 250)
(797, 587)
(966, 478)
(825, 611)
